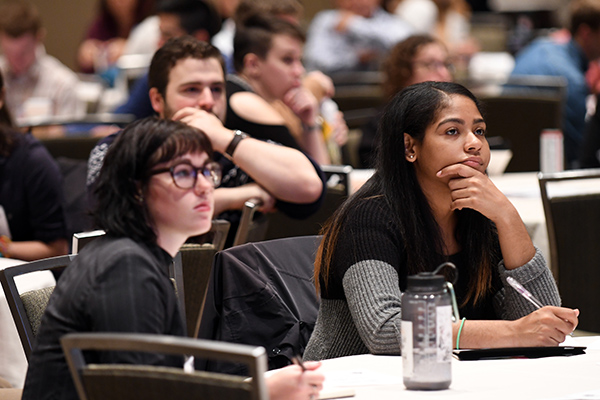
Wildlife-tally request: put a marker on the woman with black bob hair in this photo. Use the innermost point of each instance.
(431, 201)
(155, 190)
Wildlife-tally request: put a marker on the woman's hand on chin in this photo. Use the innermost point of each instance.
(471, 188)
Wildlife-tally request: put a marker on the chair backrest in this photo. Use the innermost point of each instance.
(536, 102)
(262, 294)
(572, 207)
(118, 381)
(29, 305)
(81, 239)
(337, 190)
(251, 228)
(217, 236)
(191, 269)
(77, 148)
(74, 127)
(196, 262)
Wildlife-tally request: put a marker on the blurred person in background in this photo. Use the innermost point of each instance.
(106, 37)
(175, 18)
(37, 84)
(568, 59)
(446, 20)
(268, 59)
(32, 221)
(417, 59)
(353, 37)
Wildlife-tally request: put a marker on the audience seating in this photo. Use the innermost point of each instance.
(77, 148)
(27, 308)
(81, 239)
(76, 126)
(518, 110)
(338, 189)
(358, 95)
(572, 207)
(262, 294)
(125, 382)
(251, 228)
(196, 262)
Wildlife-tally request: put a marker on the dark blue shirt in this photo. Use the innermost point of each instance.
(31, 192)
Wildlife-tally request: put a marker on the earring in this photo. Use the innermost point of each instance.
(411, 156)
(139, 198)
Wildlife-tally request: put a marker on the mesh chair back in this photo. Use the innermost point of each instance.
(35, 303)
(15, 303)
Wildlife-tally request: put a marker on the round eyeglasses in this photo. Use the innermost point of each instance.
(435, 65)
(185, 175)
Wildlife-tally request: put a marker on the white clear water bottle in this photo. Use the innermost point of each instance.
(552, 157)
(329, 111)
(426, 330)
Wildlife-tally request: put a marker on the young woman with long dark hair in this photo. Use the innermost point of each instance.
(431, 201)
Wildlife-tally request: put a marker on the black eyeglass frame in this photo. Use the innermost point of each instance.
(212, 179)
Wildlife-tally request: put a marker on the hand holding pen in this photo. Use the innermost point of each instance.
(302, 381)
(538, 304)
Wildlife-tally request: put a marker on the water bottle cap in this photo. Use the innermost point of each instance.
(426, 282)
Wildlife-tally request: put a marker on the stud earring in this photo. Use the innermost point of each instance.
(411, 156)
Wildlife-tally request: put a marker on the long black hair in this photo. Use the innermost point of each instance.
(411, 111)
(121, 209)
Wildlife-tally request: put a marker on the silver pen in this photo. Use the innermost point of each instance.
(524, 292)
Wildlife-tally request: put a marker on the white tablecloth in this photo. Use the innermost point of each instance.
(380, 377)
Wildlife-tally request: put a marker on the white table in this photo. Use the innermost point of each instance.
(543, 378)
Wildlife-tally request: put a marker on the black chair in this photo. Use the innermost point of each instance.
(149, 382)
(27, 308)
(75, 148)
(196, 264)
(82, 239)
(572, 207)
(262, 294)
(337, 191)
(518, 110)
(74, 126)
(252, 227)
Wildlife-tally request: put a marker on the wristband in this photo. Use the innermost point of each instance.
(462, 323)
(238, 136)
(307, 127)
